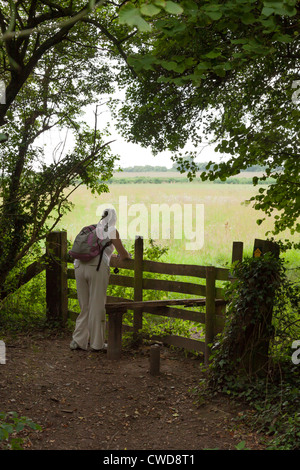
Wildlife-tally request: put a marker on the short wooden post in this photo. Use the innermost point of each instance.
(210, 311)
(237, 252)
(155, 359)
(138, 283)
(56, 277)
(114, 346)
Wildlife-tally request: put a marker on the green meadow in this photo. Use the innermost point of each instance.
(225, 218)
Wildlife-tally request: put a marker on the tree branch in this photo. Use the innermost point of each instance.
(112, 38)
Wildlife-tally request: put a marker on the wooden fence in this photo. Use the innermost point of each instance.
(208, 296)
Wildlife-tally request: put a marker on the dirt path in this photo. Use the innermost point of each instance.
(83, 401)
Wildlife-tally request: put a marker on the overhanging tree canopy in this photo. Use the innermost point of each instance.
(54, 62)
(228, 71)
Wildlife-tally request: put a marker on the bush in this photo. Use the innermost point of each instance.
(261, 287)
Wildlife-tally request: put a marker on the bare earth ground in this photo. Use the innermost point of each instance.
(83, 401)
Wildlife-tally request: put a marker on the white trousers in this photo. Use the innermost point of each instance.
(91, 292)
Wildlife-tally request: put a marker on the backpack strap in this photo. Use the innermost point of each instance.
(101, 253)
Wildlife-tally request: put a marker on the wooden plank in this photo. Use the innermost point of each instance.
(119, 280)
(111, 299)
(222, 274)
(180, 342)
(163, 309)
(125, 264)
(154, 303)
(29, 273)
(181, 313)
(114, 262)
(174, 286)
(180, 287)
(173, 269)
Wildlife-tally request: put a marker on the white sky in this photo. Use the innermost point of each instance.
(130, 154)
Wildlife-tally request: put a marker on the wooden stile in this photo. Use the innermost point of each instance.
(205, 296)
(56, 260)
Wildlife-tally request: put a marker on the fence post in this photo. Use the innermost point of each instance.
(237, 251)
(260, 356)
(138, 282)
(210, 310)
(56, 277)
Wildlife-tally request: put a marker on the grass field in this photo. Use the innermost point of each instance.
(226, 219)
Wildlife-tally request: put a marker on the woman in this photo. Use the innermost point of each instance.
(92, 285)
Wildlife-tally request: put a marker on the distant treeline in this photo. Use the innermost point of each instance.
(182, 179)
(201, 167)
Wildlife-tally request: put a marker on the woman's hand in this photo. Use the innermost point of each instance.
(123, 253)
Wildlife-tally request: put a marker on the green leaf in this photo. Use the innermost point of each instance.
(149, 9)
(241, 445)
(169, 65)
(202, 66)
(212, 54)
(19, 426)
(282, 38)
(3, 137)
(132, 17)
(219, 70)
(278, 8)
(248, 18)
(213, 11)
(160, 3)
(266, 11)
(214, 15)
(173, 8)
(190, 8)
(7, 428)
(227, 66)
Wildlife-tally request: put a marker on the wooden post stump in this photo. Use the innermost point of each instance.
(155, 359)
(114, 346)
